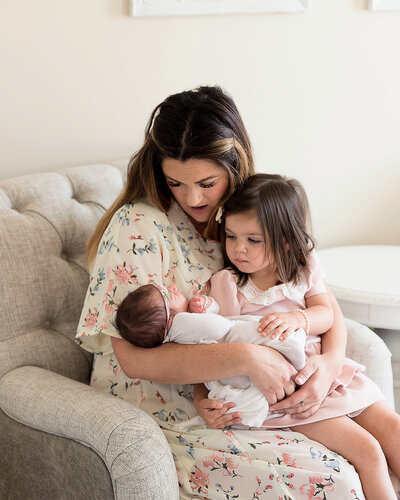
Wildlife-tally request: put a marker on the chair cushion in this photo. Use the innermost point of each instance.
(45, 221)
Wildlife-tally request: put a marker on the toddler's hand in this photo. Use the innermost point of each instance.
(280, 324)
(214, 414)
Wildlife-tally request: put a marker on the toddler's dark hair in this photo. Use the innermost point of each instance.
(282, 210)
(141, 317)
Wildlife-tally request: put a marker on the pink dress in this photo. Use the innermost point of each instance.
(352, 391)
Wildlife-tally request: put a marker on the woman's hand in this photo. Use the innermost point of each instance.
(270, 372)
(315, 380)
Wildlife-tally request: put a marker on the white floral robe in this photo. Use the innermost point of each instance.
(142, 245)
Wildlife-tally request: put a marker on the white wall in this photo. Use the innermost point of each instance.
(319, 93)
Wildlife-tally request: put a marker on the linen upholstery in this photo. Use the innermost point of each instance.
(127, 440)
(62, 462)
(52, 419)
(45, 221)
(365, 347)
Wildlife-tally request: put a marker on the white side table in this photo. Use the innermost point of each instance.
(366, 282)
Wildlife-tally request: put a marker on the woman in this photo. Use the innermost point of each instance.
(162, 228)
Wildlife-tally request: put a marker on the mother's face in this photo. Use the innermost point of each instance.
(197, 185)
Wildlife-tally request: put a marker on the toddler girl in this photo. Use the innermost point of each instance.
(274, 273)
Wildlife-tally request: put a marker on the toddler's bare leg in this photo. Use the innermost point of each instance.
(383, 423)
(353, 442)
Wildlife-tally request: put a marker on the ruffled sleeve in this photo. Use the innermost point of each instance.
(314, 275)
(141, 245)
(224, 290)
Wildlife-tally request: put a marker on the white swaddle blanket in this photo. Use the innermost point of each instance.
(192, 328)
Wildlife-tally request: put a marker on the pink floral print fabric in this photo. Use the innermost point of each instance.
(142, 245)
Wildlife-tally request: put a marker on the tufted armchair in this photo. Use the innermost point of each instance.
(60, 438)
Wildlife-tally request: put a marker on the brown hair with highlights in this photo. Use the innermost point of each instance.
(204, 124)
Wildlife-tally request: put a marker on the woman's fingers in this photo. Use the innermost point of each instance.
(306, 372)
(269, 371)
(289, 388)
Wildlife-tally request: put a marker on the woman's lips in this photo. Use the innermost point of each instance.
(199, 209)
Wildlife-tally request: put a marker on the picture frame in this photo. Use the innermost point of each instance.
(384, 5)
(142, 8)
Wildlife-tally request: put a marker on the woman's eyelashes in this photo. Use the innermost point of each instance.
(173, 184)
(202, 185)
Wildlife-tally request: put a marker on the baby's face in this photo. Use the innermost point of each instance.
(177, 301)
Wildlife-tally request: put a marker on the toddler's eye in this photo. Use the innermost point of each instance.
(206, 186)
(229, 236)
(255, 241)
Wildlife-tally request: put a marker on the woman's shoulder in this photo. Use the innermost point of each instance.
(138, 213)
(136, 210)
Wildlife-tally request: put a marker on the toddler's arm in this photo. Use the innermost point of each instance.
(318, 318)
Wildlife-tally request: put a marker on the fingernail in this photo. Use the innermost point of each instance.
(300, 380)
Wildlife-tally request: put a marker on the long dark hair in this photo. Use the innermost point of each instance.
(281, 207)
(203, 123)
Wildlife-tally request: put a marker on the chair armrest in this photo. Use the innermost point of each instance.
(367, 348)
(129, 442)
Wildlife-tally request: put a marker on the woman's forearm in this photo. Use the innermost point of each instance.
(335, 339)
(182, 364)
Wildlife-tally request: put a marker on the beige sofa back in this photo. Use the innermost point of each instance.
(45, 221)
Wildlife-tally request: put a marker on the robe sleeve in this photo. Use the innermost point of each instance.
(130, 254)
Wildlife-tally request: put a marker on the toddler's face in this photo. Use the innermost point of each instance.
(177, 301)
(245, 245)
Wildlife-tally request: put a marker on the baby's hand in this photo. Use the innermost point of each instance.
(197, 304)
(280, 323)
(214, 414)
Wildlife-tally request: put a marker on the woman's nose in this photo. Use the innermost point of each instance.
(194, 197)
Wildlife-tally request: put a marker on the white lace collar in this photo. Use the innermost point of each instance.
(268, 297)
